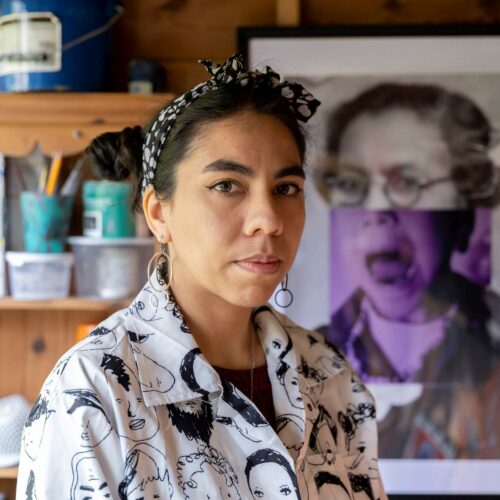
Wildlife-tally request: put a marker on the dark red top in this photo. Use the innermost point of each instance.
(262, 392)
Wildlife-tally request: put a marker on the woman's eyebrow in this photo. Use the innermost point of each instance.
(233, 166)
(296, 170)
(228, 166)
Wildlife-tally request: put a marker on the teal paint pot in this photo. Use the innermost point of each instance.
(46, 221)
(107, 211)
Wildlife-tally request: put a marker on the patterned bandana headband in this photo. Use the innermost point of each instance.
(300, 101)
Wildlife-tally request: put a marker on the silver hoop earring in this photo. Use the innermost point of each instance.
(162, 268)
(284, 294)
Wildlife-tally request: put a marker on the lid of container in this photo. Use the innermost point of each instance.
(94, 241)
(98, 189)
(20, 258)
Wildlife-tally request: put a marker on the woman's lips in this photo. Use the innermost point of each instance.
(259, 267)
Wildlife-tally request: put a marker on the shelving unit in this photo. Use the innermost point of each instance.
(34, 334)
(69, 304)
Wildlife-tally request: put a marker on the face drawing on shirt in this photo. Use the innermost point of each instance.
(192, 418)
(35, 427)
(102, 339)
(353, 418)
(331, 486)
(269, 475)
(138, 423)
(290, 382)
(88, 479)
(146, 474)
(323, 437)
(95, 424)
(207, 475)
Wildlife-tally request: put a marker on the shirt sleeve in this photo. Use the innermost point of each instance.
(69, 448)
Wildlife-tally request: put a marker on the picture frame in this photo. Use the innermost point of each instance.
(464, 57)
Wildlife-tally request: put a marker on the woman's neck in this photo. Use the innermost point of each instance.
(222, 330)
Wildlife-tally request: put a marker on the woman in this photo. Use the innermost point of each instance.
(190, 370)
(408, 145)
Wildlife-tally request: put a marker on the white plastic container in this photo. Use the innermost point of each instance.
(39, 276)
(110, 268)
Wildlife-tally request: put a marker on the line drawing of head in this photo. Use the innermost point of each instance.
(193, 418)
(324, 433)
(141, 422)
(207, 475)
(408, 132)
(101, 338)
(271, 464)
(34, 428)
(323, 478)
(97, 418)
(89, 481)
(353, 418)
(290, 429)
(287, 377)
(152, 464)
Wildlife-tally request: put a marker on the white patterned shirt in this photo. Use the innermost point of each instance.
(135, 411)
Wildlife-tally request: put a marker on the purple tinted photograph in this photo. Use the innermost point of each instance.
(407, 309)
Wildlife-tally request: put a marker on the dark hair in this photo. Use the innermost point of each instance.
(116, 156)
(267, 455)
(464, 127)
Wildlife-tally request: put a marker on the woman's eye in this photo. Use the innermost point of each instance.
(258, 493)
(285, 491)
(224, 187)
(288, 189)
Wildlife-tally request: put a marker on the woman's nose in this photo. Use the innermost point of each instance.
(131, 411)
(376, 198)
(378, 218)
(263, 215)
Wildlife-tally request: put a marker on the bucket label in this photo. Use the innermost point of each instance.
(30, 42)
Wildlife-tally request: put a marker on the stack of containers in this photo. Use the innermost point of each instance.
(43, 270)
(110, 261)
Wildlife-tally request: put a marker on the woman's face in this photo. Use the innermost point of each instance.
(395, 256)
(236, 217)
(396, 145)
(279, 486)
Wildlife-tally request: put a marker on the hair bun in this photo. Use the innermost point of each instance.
(116, 155)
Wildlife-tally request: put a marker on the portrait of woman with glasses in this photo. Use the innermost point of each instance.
(405, 166)
(408, 146)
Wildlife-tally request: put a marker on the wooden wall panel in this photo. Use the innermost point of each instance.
(178, 32)
(399, 11)
(31, 342)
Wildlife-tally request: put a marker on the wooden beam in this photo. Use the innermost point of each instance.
(288, 12)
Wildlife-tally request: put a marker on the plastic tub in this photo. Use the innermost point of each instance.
(39, 276)
(110, 268)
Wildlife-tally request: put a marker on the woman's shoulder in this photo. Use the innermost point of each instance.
(81, 364)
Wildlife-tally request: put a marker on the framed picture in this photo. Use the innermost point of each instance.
(415, 109)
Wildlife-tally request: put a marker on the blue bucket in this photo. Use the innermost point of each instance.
(67, 47)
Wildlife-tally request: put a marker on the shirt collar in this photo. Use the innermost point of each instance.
(171, 365)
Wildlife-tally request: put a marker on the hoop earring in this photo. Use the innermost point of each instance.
(285, 293)
(162, 268)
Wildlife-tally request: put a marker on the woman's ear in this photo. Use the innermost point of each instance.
(155, 213)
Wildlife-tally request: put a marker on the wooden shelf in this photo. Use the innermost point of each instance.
(69, 304)
(68, 121)
(9, 473)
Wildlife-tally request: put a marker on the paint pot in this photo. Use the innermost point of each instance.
(46, 221)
